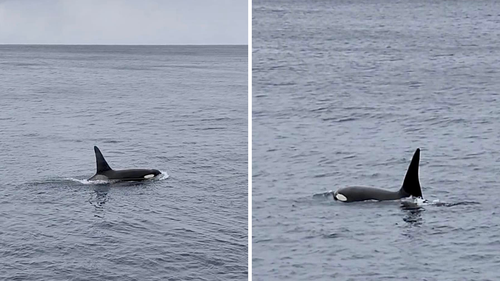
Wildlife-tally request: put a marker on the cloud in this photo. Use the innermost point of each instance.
(124, 22)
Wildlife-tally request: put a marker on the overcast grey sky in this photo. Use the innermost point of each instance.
(124, 22)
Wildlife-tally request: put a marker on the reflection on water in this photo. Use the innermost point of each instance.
(99, 197)
(413, 213)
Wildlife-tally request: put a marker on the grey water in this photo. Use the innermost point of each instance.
(178, 109)
(343, 94)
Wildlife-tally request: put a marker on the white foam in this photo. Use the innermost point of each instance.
(420, 201)
(417, 201)
(87, 181)
(163, 176)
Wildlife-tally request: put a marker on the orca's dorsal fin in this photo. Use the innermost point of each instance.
(102, 165)
(411, 183)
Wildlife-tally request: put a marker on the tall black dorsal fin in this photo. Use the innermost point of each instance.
(102, 165)
(411, 183)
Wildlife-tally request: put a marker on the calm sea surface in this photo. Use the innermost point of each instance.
(344, 92)
(178, 109)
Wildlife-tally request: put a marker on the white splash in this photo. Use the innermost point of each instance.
(163, 176)
(87, 181)
(420, 201)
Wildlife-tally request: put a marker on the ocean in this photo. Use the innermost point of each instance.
(178, 109)
(343, 94)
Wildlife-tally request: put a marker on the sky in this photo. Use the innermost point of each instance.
(128, 22)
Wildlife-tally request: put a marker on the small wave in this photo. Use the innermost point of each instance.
(163, 176)
(323, 195)
(87, 181)
(438, 203)
(412, 203)
(417, 203)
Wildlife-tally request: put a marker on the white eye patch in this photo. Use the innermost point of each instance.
(149, 176)
(340, 197)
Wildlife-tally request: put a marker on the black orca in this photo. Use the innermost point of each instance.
(411, 187)
(105, 173)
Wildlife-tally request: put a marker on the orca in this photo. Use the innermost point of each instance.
(411, 187)
(105, 173)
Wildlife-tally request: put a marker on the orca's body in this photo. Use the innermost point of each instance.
(411, 187)
(105, 173)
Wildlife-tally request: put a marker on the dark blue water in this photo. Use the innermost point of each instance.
(344, 92)
(179, 109)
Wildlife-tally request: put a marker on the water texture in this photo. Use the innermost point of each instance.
(344, 92)
(179, 109)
